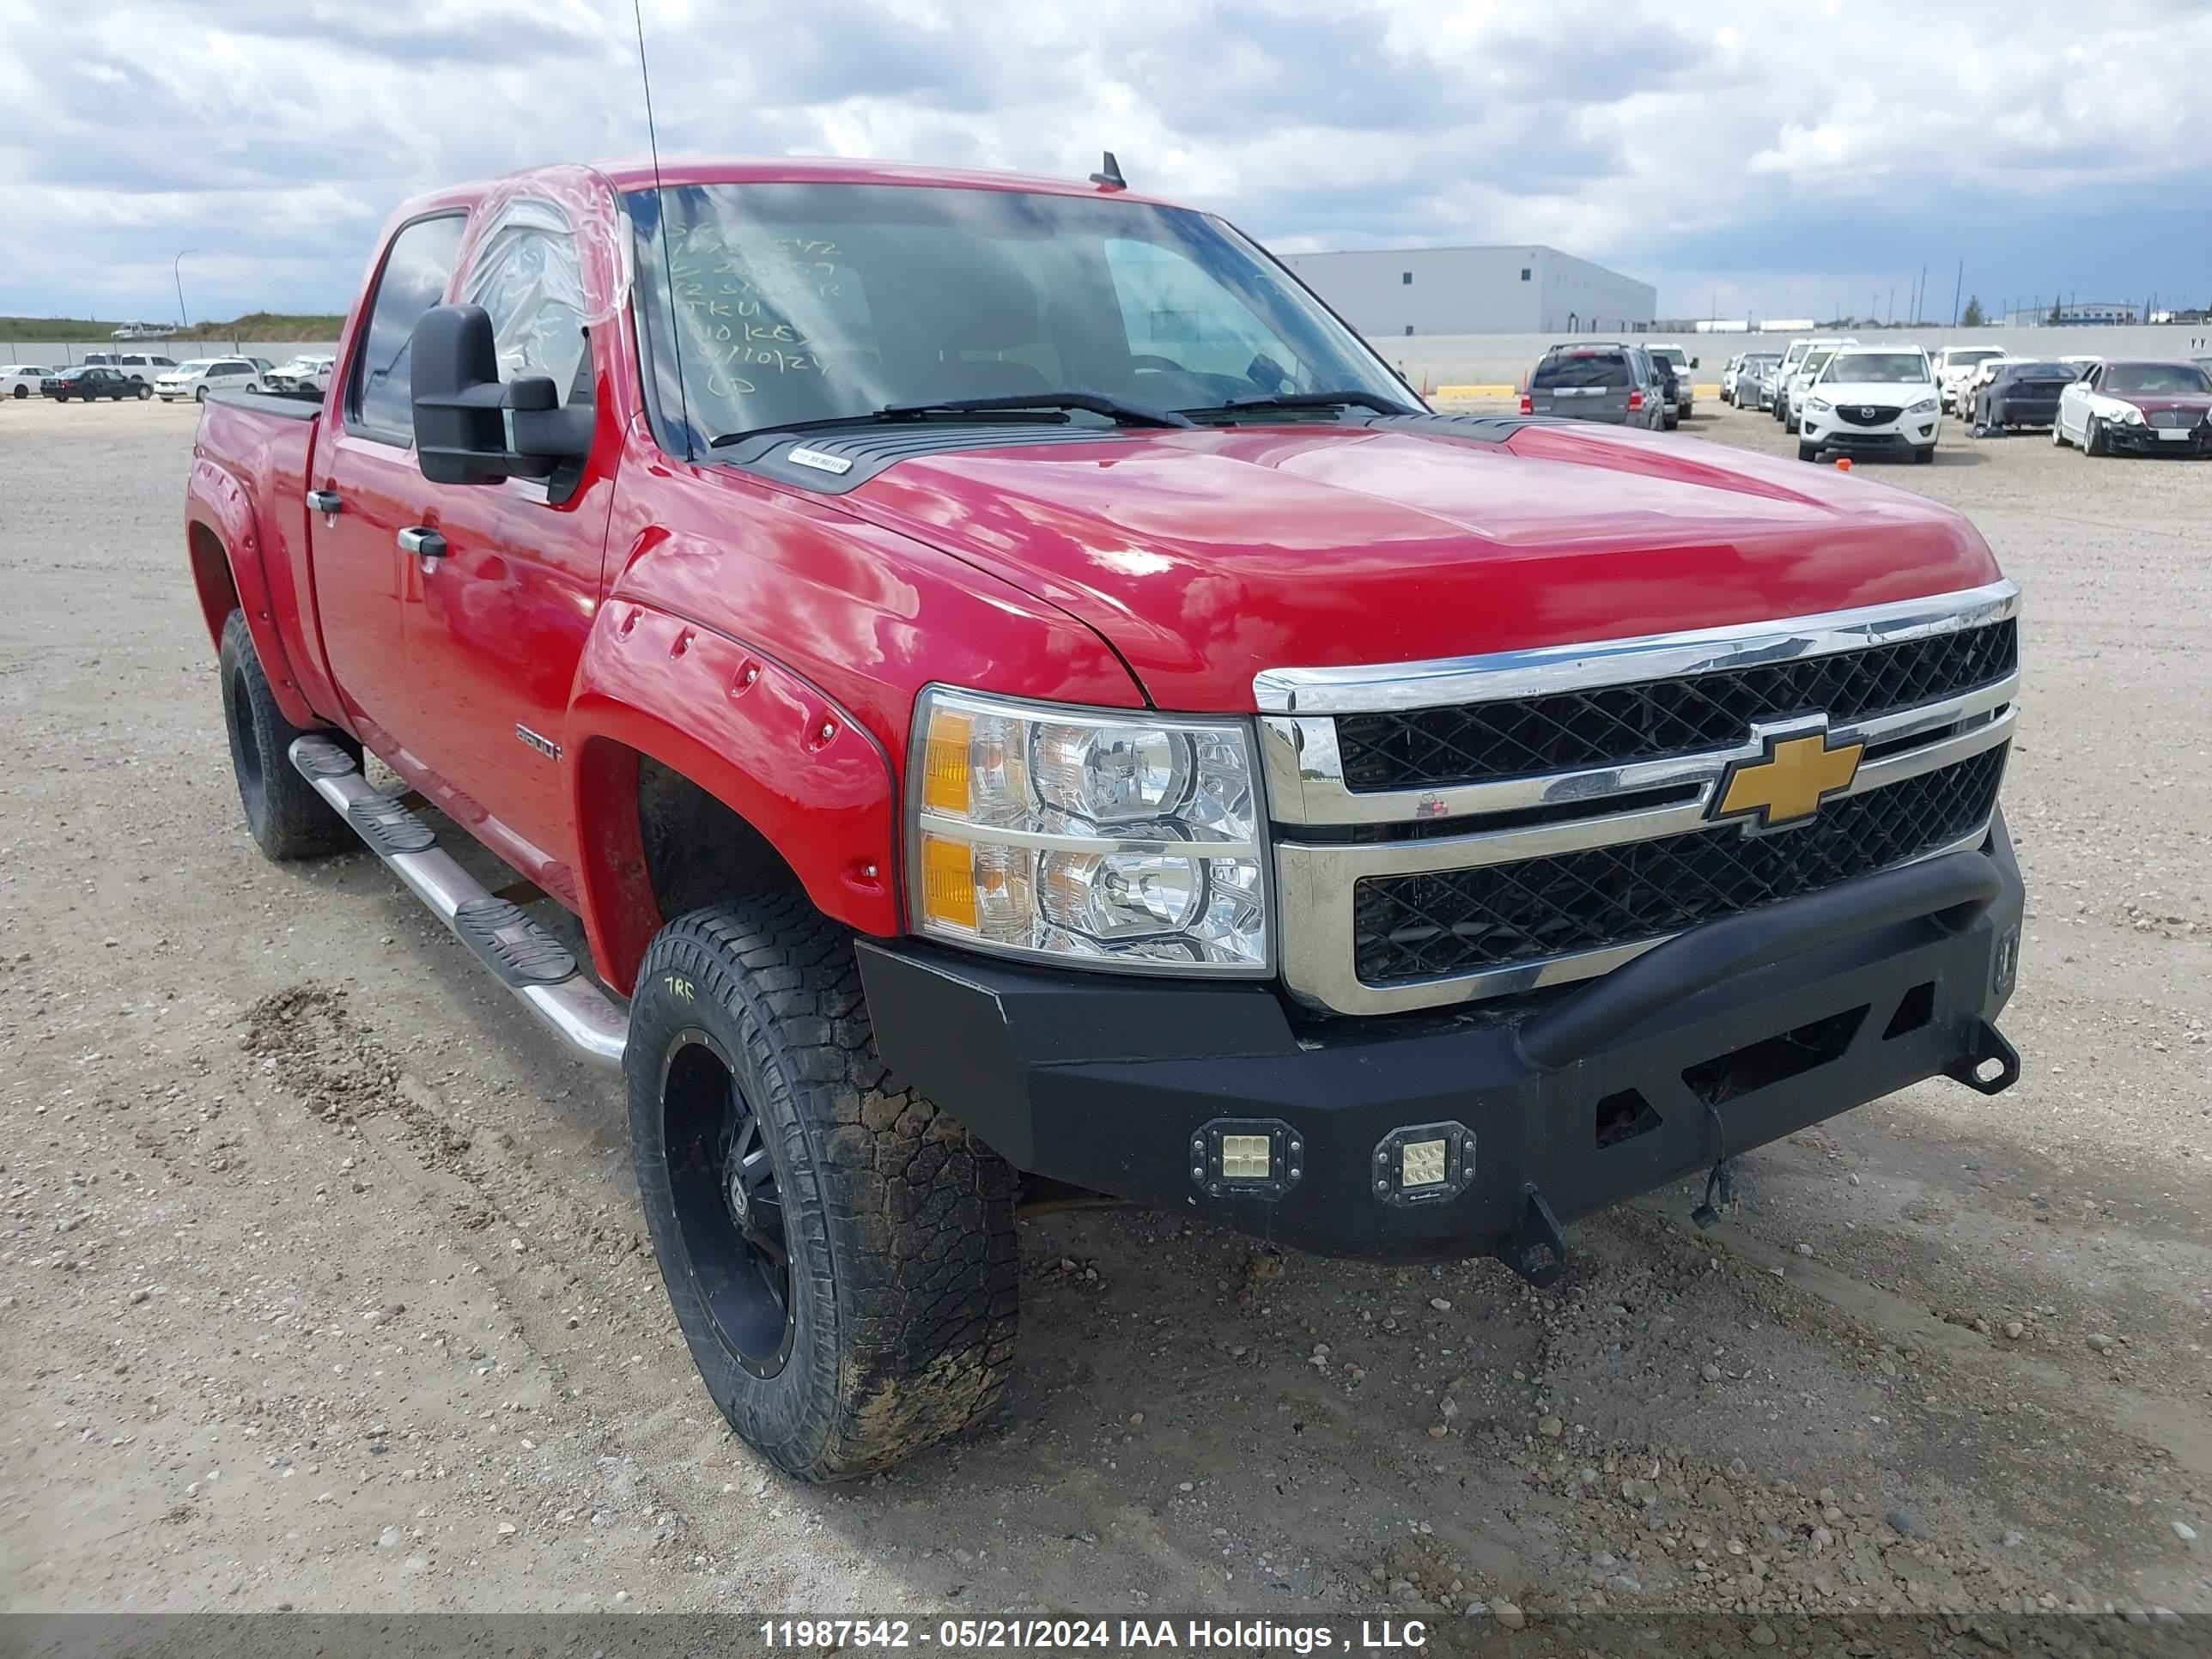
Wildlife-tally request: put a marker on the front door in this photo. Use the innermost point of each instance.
(497, 622)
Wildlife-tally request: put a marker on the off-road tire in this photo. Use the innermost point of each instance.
(899, 1224)
(283, 814)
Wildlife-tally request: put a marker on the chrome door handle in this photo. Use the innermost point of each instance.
(423, 541)
(324, 500)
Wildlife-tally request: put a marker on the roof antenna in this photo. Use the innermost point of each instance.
(1108, 175)
(661, 200)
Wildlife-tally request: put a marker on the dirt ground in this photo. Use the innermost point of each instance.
(323, 1280)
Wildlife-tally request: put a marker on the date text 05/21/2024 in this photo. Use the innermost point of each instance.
(1092, 1634)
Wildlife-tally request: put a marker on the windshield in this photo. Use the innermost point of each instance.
(802, 302)
(1967, 356)
(194, 366)
(1877, 368)
(1581, 368)
(2178, 378)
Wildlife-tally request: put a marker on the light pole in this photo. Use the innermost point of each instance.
(177, 270)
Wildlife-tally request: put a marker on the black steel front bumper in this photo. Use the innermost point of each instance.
(1721, 1040)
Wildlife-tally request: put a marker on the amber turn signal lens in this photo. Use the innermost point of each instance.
(948, 881)
(944, 762)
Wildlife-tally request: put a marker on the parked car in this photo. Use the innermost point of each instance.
(22, 379)
(206, 374)
(143, 366)
(90, 382)
(1777, 379)
(202, 375)
(1871, 400)
(306, 374)
(1679, 364)
(831, 703)
(1954, 369)
(1792, 393)
(2022, 392)
(1743, 387)
(2137, 409)
(1611, 382)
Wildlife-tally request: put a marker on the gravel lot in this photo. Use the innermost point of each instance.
(325, 1284)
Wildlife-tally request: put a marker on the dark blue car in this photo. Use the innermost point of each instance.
(2022, 394)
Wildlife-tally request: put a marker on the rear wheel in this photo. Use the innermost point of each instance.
(284, 815)
(840, 1254)
(22, 392)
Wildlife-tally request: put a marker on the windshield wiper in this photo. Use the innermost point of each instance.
(1095, 403)
(1374, 400)
(1041, 407)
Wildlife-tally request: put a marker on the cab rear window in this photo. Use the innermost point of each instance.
(1605, 369)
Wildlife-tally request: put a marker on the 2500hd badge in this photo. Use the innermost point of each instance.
(987, 686)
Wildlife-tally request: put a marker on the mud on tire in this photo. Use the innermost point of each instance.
(284, 815)
(896, 1325)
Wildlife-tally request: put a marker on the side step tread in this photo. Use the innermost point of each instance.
(511, 945)
(388, 827)
(530, 961)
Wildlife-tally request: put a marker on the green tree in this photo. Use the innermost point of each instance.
(1974, 319)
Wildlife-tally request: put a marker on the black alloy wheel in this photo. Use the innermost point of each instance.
(728, 1204)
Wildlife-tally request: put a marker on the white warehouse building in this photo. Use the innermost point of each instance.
(1476, 290)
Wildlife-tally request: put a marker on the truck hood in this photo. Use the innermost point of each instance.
(1205, 557)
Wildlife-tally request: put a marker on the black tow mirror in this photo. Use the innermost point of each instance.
(470, 428)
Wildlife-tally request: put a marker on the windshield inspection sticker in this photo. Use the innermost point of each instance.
(800, 455)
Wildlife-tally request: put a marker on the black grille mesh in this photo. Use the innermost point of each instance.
(1603, 726)
(1412, 928)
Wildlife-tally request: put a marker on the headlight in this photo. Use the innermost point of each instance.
(2129, 416)
(1926, 405)
(1818, 405)
(1102, 836)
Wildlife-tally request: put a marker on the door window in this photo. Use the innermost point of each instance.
(414, 278)
(526, 275)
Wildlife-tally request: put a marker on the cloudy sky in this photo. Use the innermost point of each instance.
(1766, 159)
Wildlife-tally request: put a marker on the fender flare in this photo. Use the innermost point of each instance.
(216, 503)
(759, 737)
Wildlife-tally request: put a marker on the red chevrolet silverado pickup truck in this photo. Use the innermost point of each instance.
(1017, 696)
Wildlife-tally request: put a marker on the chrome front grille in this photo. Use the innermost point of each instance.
(1456, 830)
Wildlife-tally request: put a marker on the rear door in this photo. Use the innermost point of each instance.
(365, 455)
(1583, 382)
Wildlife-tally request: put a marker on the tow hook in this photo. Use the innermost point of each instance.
(1986, 1045)
(1720, 1184)
(1538, 1252)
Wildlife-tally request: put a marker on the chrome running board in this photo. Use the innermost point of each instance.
(525, 958)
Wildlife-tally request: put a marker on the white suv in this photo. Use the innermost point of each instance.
(1954, 372)
(202, 375)
(1809, 369)
(1871, 400)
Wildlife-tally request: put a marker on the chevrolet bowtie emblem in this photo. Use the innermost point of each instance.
(1787, 783)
